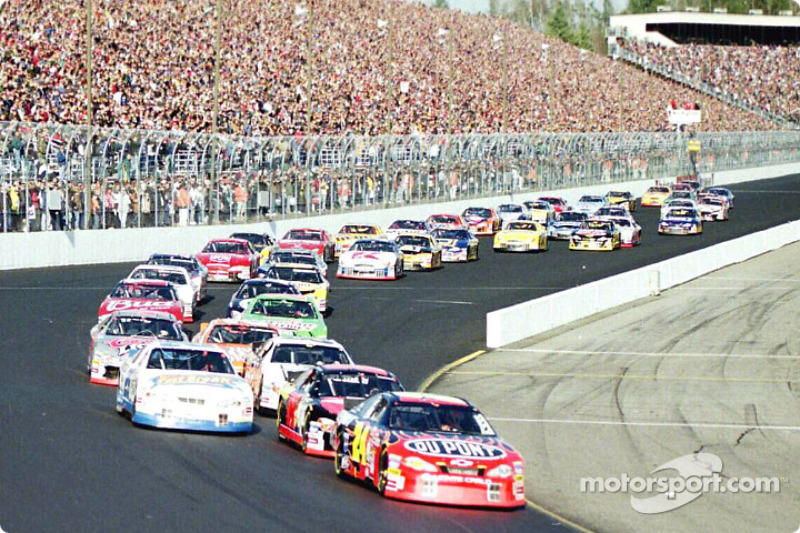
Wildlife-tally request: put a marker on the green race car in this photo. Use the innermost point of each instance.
(289, 314)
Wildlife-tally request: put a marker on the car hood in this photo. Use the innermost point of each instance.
(437, 445)
(195, 384)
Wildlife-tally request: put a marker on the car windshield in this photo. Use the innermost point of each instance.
(658, 189)
(452, 234)
(251, 290)
(525, 226)
(510, 208)
(571, 216)
(253, 238)
(356, 384)
(444, 219)
(283, 308)
(598, 225)
(190, 266)
(681, 213)
(144, 292)
(408, 224)
(298, 275)
(618, 194)
(186, 359)
(291, 257)
(372, 246)
(301, 235)
(151, 273)
(591, 199)
(622, 222)
(309, 354)
(538, 206)
(712, 201)
(225, 247)
(443, 418)
(239, 334)
(479, 212)
(126, 326)
(359, 230)
(413, 240)
(610, 211)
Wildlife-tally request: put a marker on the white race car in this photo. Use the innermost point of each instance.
(281, 359)
(180, 280)
(374, 259)
(197, 270)
(179, 385)
(713, 207)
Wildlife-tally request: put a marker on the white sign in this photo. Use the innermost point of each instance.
(682, 117)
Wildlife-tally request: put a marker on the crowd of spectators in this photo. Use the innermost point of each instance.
(153, 68)
(764, 77)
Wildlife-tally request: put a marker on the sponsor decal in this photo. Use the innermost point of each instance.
(219, 258)
(194, 380)
(127, 342)
(292, 325)
(124, 305)
(454, 448)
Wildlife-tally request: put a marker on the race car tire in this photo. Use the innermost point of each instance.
(279, 420)
(304, 437)
(262, 411)
(383, 471)
(338, 455)
(398, 270)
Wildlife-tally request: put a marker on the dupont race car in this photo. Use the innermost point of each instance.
(308, 281)
(458, 245)
(713, 207)
(308, 406)
(262, 243)
(179, 385)
(481, 220)
(317, 240)
(282, 359)
(121, 331)
(371, 259)
(511, 212)
(407, 227)
(229, 259)
(680, 221)
(446, 222)
(252, 288)
(420, 252)
(292, 315)
(180, 279)
(622, 198)
(596, 234)
(655, 196)
(239, 338)
(197, 271)
(350, 233)
(134, 294)
(428, 448)
(521, 236)
(565, 224)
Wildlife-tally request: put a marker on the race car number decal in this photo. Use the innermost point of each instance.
(454, 448)
(124, 305)
(360, 434)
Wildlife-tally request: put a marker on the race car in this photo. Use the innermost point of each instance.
(292, 315)
(295, 258)
(282, 359)
(589, 203)
(350, 233)
(595, 234)
(239, 338)
(690, 187)
(407, 227)
(510, 212)
(622, 199)
(565, 223)
(630, 232)
(371, 259)
(559, 205)
(134, 294)
(420, 252)
(521, 236)
(308, 406)
(317, 240)
(655, 196)
(229, 259)
(481, 220)
(252, 288)
(262, 243)
(446, 222)
(681, 221)
(119, 332)
(197, 271)
(540, 211)
(722, 192)
(612, 211)
(428, 448)
(180, 280)
(458, 245)
(713, 207)
(677, 203)
(179, 385)
(308, 281)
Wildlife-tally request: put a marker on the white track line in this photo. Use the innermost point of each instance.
(544, 351)
(643, 424)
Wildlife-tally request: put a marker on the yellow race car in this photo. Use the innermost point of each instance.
(521, 236)
(350, 233)
(655, 196)
(596, 234)
(306, 278)
(420, 252)
(621, 199)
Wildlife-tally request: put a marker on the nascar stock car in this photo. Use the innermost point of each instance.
(540, 211)
(197, 271)
(595, 234)
(295, 258)
(655, 196)
(239, 338)
(458, 245)
(428, 448)
(262, 243)
(371, 259)
(564, 224)
(612, 211)
(282, 359)
(681, 221)
(677, 203)
(317, 240)
(229, 259)
(420, 252)
(350, 233)
(559, 205)
(179, 385)
(293, 315)
(623, 199)
(180, 280)
(134, 294)
(308, 406)
(691, 187)
(119, 332)
(308, 281)
(521, 236)
(445, 221)
(630, 232)
(713, 207)
(511, 212)
(722, 192)
(253, 287)
(407, 227)
(481, 220)
(589, 203)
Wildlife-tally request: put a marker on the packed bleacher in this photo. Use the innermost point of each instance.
(154, 64)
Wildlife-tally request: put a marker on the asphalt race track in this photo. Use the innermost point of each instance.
(68, 462)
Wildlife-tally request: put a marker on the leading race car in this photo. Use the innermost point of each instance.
(481, 220)
(458, 245)
(282, 359)
(239, 338)
(350, 233)
(681, 221)
(428, 448)
(371, 259)
(317, 240)
(420, 251)
(308, 281)
(655, 196)
(197, 271)
(118, 333)
(565, 224)
(180, 280)
(291, 315)
(521, 236)
(252, 288)
(135, 294)
(596, 234)
(179, 385)
(308, 406)
(229, 259)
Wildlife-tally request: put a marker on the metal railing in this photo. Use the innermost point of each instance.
(166, 178)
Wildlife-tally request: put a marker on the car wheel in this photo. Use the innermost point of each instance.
(383, 471)
(257, 402)
(338, 457)
(280, 419)
(304, 438)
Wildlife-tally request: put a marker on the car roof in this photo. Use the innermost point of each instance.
(433, 399)
(336, 367)
(145, 313)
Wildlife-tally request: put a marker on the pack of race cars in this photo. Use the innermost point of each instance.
(271, 354)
